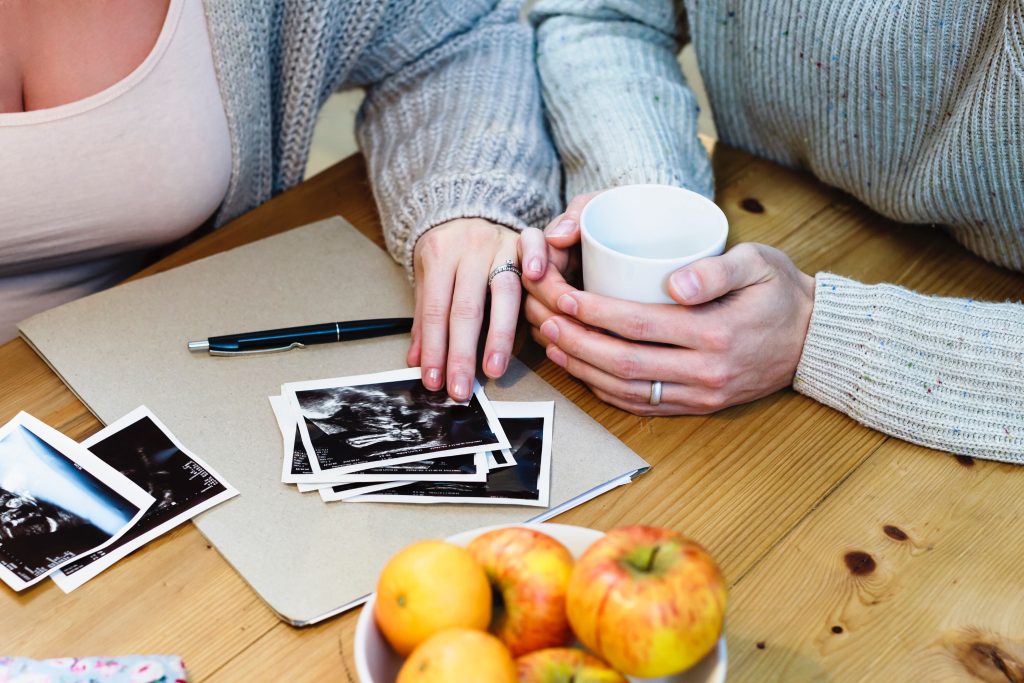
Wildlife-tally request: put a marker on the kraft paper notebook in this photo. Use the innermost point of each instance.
(308, 560)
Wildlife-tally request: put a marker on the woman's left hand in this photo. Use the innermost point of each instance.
(737, 336)
(452, 262)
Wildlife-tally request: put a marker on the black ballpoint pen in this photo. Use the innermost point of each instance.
(267, 341)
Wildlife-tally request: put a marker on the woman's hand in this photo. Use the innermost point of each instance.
(737, 336)
(452, 262)
(555, 244)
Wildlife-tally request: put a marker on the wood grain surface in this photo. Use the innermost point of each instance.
(852, 556)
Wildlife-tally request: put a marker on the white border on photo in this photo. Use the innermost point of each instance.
(287, 426)
(330, 475)
(80, 455)
(287, 423)
(329, 495)
(504, 409)
(68, 583)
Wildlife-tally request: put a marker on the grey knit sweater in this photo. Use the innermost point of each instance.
(916, 107)
(451, 126)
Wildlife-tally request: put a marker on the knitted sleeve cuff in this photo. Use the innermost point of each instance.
(513, 201)
(832, 366)
(940, 372)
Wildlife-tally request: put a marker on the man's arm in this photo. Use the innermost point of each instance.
(941, 372)
(615, 97)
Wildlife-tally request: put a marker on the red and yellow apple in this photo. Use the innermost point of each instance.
(529, 574)
(565, 665)
(648, 601)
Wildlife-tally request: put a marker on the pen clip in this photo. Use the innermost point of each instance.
(254, 352)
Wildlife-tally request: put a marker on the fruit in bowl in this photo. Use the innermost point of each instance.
(529, 572)
(648, 601)
(457, 655)
(427, 587)
(565, 665)
(379, 662)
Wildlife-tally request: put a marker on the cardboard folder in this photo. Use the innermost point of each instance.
(307, 559)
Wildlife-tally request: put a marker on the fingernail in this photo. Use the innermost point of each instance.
(686, 283)
(497, 363)
(433, 377)
(534, 266)
(567, 304)
(564, 227)
(460, 388)
(557, 356)
(550, 330)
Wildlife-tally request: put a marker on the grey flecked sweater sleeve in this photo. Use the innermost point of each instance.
(616, 99)
(452, 125)
(941, 372)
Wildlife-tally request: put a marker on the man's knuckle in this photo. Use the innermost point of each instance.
(716, 339)
(709, 402)
(635, 394)
(626, 366)
(643, 409)
(638, 326)
(570, 341)
(715, 377)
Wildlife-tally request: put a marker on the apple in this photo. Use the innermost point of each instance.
(648, 601)
(529, 574)
(565, 665)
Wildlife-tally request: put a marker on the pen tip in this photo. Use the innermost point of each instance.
(199, 346)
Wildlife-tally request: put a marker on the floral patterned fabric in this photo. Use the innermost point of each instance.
(135, 669)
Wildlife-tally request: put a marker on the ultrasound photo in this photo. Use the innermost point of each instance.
(528, 427)
(141, 448)
(57, 501)
(358, 423)
(466, 467)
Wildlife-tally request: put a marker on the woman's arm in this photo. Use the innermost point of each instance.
(941, 372)
(615, 97)
(454, 136)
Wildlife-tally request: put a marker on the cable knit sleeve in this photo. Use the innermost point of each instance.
(452, 125)
(616, 99)
(941, 372)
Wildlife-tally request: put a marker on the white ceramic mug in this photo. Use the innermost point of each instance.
(635, 236)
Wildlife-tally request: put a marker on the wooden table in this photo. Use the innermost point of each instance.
(851, 556)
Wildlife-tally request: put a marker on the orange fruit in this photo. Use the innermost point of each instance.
(459, 655)
(430, 586)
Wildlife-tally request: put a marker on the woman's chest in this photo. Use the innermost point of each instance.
(138, 164)
(53, 52)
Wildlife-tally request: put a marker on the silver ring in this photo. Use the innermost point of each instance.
(508, 267)
(655, 393)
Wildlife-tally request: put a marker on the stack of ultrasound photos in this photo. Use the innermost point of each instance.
(385, 438)
(70, 510)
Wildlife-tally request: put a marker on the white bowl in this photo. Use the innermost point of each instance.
(376, 662)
